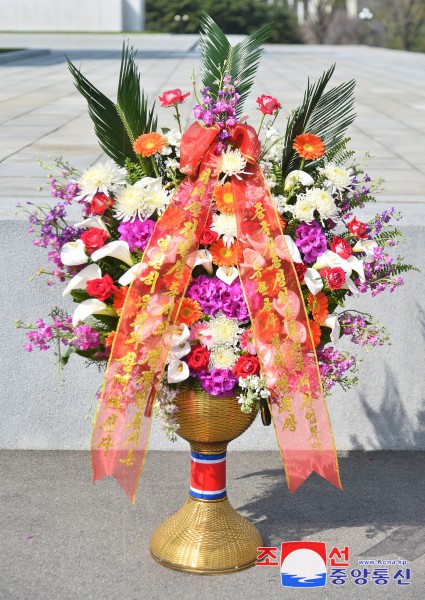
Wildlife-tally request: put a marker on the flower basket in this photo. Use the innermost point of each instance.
(211, 271)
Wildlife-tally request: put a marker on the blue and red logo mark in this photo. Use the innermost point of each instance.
(305, 565)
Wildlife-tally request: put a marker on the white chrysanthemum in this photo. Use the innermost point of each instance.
(322, 201)
(223, 358)
(155, 200)
(101, 178)
(130, 203)
(141, 199)
(303, 210)
(281, 203)
(232, 163)
(225, 225)
(222, 331)
(338, 178)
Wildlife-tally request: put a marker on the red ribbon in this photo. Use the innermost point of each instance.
(274, 299)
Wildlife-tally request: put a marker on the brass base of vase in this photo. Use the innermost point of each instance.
(207, 537)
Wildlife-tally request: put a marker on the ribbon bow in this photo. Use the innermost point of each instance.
(274, 299)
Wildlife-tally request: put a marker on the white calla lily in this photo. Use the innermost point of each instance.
(227, 274)
(129, 275)
(93, 222)
(80, 280)
(331, 260)
(179, 345)
(118, 249)
(297, 176)
(204, 258)
(366, 246)
(92, 306)
(357, 265)
(313, 281)
(177, 371)
(74, 254)
(293, 249)
(333, 322)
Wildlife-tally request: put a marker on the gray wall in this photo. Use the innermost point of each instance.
(386, 411)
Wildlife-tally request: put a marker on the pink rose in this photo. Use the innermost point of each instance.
(172, 97)
(340, 247)
(267, 104)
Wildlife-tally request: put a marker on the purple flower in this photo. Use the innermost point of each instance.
(311, 241)
(198, 112)
(136, 233)
(214, 295)
(85, 338)
(217, 382)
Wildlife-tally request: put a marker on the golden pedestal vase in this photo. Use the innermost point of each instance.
(207, 536)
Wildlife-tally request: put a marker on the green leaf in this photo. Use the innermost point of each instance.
(108, 126)
(132, 105)
(327, 115)
(241, 61)
(116, 125)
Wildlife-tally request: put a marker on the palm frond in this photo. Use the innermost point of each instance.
(244, 61)
(117, 125)
(241, 61)
(327, 115)
(108, 126)
(215, 49)
(132, 105)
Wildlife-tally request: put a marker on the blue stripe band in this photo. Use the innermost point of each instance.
(208, 496)
(208, 456)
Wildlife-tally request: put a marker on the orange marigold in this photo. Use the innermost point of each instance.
(309, 146)
(223, 197)
(318, 305)
(190, 312)
(119, 299)
(149, 143)
(222, 255)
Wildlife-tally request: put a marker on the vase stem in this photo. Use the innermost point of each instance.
(208, 476)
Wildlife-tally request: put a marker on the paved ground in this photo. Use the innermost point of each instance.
(42, 114)
(63, 539)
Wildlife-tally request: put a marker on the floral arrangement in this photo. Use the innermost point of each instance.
(318, 188)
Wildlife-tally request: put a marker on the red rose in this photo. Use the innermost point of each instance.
(173, 97)
(335, 277)
(100, 203)
(341, 247)
(101, 288)
(208, 236)
(198, 358)
(301, 270)
(267, 104)
(357, 228)
(246, 365)
(94, 239)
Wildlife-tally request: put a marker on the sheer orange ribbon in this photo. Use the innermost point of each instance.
(274, 299)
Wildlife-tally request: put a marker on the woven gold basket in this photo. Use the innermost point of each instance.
(207, 536)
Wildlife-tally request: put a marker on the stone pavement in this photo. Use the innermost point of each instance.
(61, 538)
(42, 114)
